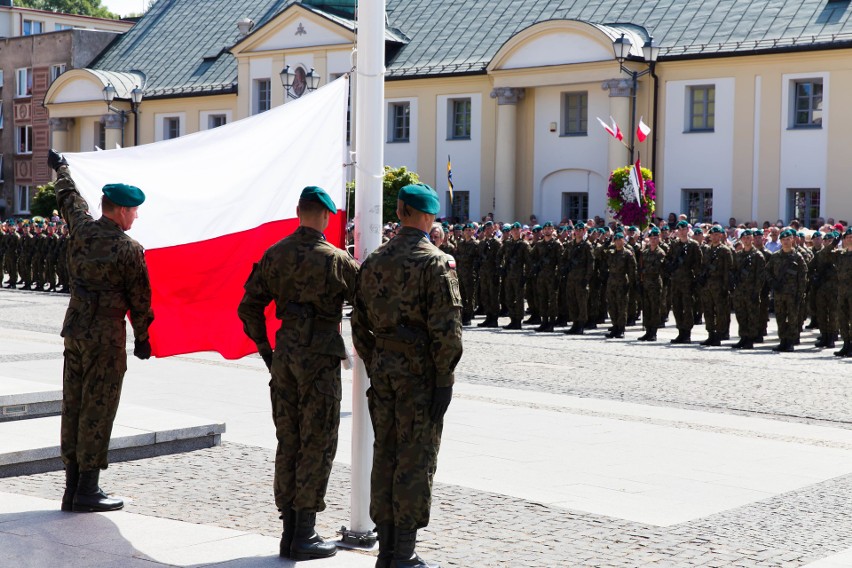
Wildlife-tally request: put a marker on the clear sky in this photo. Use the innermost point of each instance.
(124, 7)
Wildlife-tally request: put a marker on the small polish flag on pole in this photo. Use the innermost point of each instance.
(642, 130)
(613, 130)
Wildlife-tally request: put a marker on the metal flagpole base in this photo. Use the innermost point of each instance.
(354, 540)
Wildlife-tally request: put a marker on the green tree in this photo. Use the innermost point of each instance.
(79, 7)
(44, 202)
(394, 180)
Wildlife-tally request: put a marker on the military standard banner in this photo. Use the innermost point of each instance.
(216, 200)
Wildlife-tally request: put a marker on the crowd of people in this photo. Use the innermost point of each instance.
(576, 274)
(32, 254)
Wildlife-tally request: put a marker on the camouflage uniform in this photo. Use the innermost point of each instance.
(578, 264)
(622, 276)
(787, 273)
(716, 273)
(651, 269)
(545, 259)
(843, 264)
(489, 277)
(12, 239)
(682, 263)
(406, 327)
(38, 259)
(108, 278)
(825, 293)
(25, 255)
(467, 259)
(749, 276)
(308, 279)
(50, 260)
(516, 259)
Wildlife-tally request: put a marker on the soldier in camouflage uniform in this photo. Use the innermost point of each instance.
(651, 269)
(308, 279)
(682, 264)
(516, 259)
(407, 328)
(39, 255)
(531, 289)
(545, 260)
(467, 260)
(622, 276)
(597, 309)
(715, 287)
(748, 275)
(62, 259)
(763, 318)
(109, 278)
(489, 276)
(25, 255)
(842, 261)
(13, 239)
(787, 273)
(578, 265)
(634, 295)
(824, 288)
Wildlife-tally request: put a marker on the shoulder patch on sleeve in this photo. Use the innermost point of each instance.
(451, 261)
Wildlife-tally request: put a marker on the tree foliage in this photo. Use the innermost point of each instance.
(78, 7)
(44, 201)
(394, 180)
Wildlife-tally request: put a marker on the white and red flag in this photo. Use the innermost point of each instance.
(642, 130)
(637, 182)
(215, 201)
(613, 129)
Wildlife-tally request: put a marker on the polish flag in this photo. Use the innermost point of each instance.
(215, 201)
(642, 130)
(613, 130)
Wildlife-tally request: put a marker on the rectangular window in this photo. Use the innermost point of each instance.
(22, 198)
(216, 120)
(1, 77)
(459, 208)
(171, 127)
(807, 104)
(2, 177)
(262, 95)
(1, 115)
(24, 88)
(702, 108)
(400, 122)
(575, 111)
(60, 27)
(698, 205)
(100, 135)
(56, 71)
(803, 204)
(575, 206)
(459, 119)
(24, 139)
(32, 27)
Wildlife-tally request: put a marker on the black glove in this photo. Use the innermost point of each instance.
(56, 160)
(441, 398)
(267, 358)
(142, 349)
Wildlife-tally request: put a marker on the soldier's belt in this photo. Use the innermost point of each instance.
(99, 311)
(397, 345)
(317, 324)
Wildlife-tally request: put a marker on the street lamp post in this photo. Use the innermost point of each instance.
(621, 46)
(296, 82)
(135, 101)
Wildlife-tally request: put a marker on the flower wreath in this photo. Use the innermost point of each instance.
(621, 198)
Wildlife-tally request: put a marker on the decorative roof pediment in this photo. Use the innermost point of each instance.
(87, 85)
(297, 27)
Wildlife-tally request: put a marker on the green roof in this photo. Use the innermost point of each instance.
(181, 46)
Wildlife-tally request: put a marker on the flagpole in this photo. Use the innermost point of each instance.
(369, 172)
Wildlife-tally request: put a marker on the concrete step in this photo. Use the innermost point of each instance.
(21, 399)
(32, 446)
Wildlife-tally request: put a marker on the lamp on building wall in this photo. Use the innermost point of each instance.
(135, 101)
(621, 46)
(296, 82)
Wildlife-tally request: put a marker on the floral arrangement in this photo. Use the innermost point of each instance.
(621, 198)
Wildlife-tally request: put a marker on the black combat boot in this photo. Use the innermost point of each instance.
(466, 319)
(759, 338)
(748, 343)
(611, 332)
(514, 324)
(618, 332)
(491, 321)
(651, 334)
(715, 340)
(786, 346)
(72, 478)
(90, 498)
(590, 325)
(307, 544)
(709, 341)
(404, 555)
(545, 324)
(534, 319)
(386, 546)
(576, 329)
(830, 339)
(645, 336)
(821, 340)
(483, 323)
(845, 350)
(561, 321)
(289, 518)
(684, 337)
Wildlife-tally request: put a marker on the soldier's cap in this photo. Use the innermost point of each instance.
(618, 235)
(757, 232)
(834, 234)
(487, 224)
(536, 228)
(682, 224)
(665, 227)
(547, 224)
(816, 235)
(457, 227)
(716, 229)
(516, 225)
(847, 232)
(468, 226)
(445, 224)
(654, 232)
(507, 228)
(318, 195)
(421, 197)
(746, 233)
(579, 226)
(788, 233)
(632, 228)
(697, 230)
(801, 234)
(124, 195)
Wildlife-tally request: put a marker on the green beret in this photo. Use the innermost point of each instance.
(835, 234)
(801, 234)
(716, 229)
(421, 197)
(632, 228)
(789, 233)
(457, 227)
(445, 224)
(665, 227)
(618, 235)
(318, 195)
(758, 232)
(746, 233)
(579, 226)
(847, 232)
(655, 232)
(536, 228)
(816, 235)
(507, 228)
(488, 224)
(547, 224)
(124, 195)
(697, 231)
(516, 225)
(469, 226)
(682, 224)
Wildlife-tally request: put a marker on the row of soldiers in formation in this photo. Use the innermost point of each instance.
(577, 274)
(32, 254)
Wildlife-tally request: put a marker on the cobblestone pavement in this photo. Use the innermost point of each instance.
(229, 486)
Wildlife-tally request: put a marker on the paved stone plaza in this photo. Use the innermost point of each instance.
(558, 451)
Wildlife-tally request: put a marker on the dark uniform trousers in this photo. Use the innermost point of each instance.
(489, 292)
(514, 284)
(826, 308)
(405, 451)
(716, 307)
(305, 391)
(652, 302)
(844, 312)
(91, 387)
(747, 309)
(577, 295)
(683, 304)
